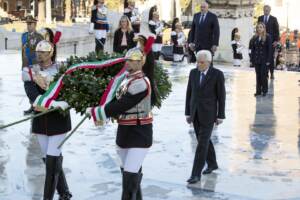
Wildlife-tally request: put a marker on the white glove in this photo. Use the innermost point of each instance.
(59, 104)
(88, 111)
(26, 74)
(98, 122)
(91, 28)
(41, 81)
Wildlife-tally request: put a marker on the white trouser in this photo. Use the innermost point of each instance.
(132, 158)
(178, 57)
(237, 62)
(99, 34)
(49, 144)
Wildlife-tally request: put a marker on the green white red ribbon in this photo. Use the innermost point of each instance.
(43, 102)
(98, 112)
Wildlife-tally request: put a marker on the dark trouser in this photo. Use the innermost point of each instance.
(272, 64)
(53, 169)
(100, 44)
(192, 57)
(130, 184)
(128, 194)
(62, 185)
(261, 78)
(205, 149)
(156, 55)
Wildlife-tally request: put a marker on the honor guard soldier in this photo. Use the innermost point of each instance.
(29, 41)
(156, 27)
(132, 108)
(133, 14)
(52, 127)
(99, 24)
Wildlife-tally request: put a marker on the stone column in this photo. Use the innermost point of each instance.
(41, 11)
(178, 9)
(81, 9)
(48, 12)
(68, 11)
(234, 13)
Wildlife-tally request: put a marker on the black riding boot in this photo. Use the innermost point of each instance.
(139, 195)
(53, 169)
(62, 185)
(130, 185)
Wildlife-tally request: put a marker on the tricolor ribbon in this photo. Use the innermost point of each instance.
(98, 112)
(43, 102)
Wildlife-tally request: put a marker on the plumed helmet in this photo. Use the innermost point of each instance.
(44, 45)
(134, 54)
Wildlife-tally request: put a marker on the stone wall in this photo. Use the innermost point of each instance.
(12, 5)
(229, 18)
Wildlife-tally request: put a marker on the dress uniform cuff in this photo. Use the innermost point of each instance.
(37, 106)
(99, 116)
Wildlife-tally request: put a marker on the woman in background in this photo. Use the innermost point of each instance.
(123, 37)
(261, 57)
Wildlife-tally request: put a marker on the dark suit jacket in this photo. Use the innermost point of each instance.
(261, 51)
(207, 34)
(207, 102)
(272, 27)
(118, 40)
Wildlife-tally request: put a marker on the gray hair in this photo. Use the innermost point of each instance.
(205, 53)
(204, 3)
(267, 6)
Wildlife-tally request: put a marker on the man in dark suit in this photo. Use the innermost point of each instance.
(205, 106)
(272, 28)
(205, 31)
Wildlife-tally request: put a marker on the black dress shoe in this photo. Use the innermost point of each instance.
(264, 94)
(272, 76)
(257, 94)
(193, 179)
(29, 111)
(209, 170)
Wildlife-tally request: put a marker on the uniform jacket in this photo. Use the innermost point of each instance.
(156, 28)
(29, 43)
(134, 102)
(100, 15)
(53, 123)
